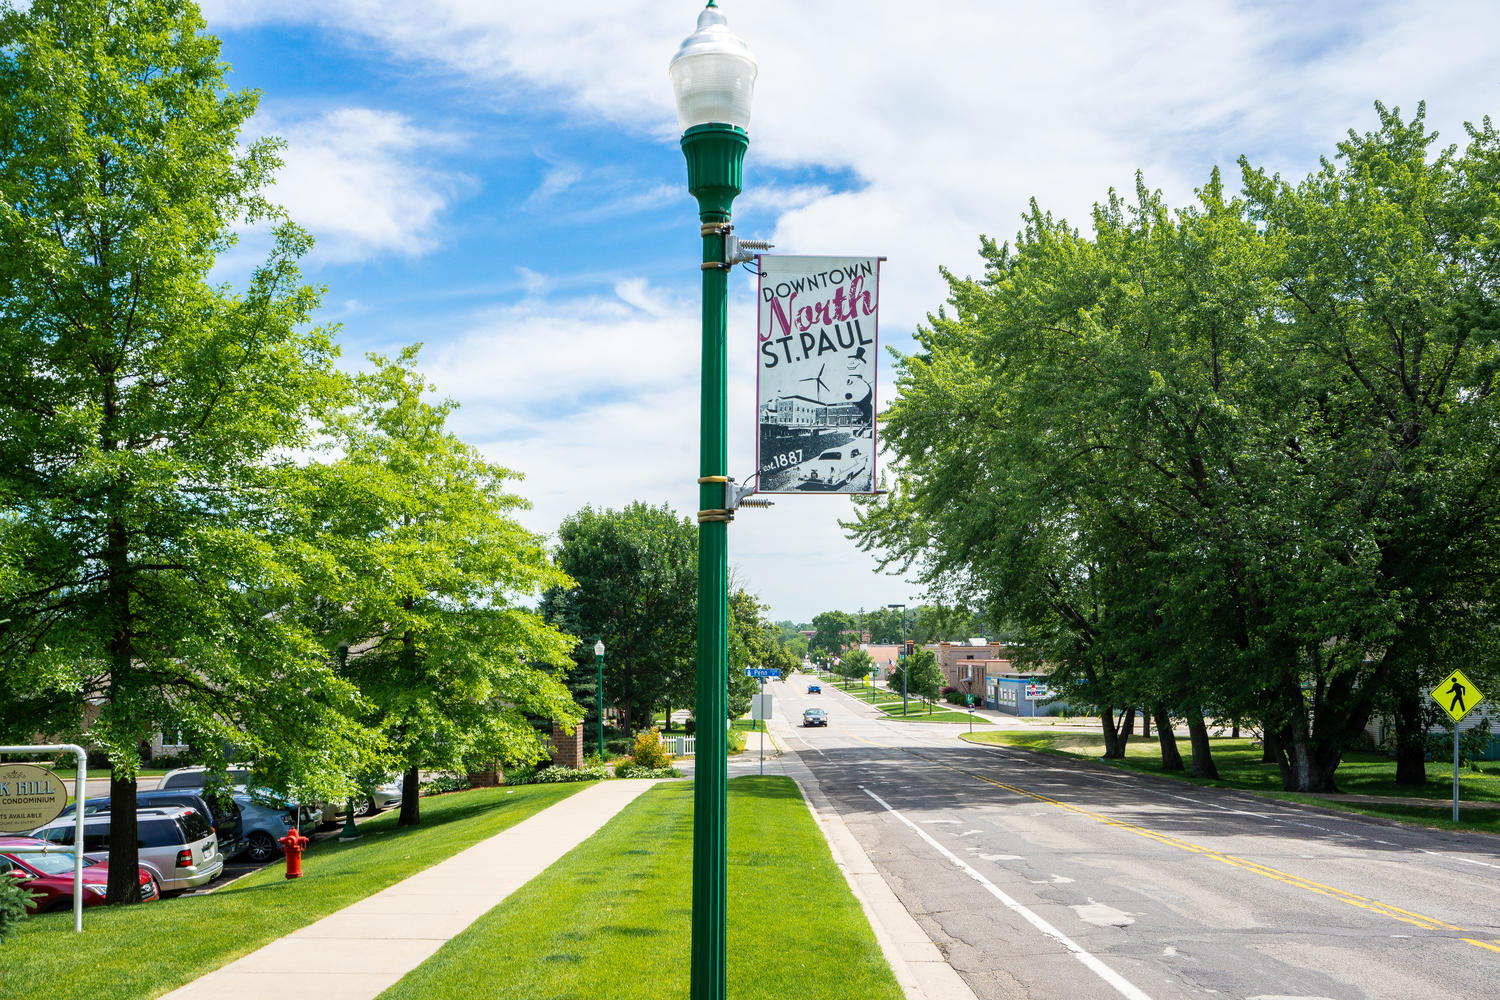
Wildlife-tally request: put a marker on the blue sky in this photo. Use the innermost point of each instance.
(500, 180)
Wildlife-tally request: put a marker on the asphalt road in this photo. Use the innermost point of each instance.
(1041, 877)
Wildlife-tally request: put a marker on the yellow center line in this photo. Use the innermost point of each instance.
(1244, 864)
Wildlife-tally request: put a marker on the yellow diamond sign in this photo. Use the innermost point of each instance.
(1457, 695)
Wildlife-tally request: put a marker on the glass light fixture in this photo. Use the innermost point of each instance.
(599, 648)
(713, 74)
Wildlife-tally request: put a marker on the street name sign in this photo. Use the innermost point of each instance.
(30, 797)
(762, 672)
(1457, 695)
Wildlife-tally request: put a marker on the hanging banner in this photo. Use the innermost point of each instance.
(818, 337)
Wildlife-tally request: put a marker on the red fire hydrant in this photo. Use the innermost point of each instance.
(292, 844)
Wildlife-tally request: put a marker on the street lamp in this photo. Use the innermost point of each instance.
(904, 665)
(599, 693)
(713, 78)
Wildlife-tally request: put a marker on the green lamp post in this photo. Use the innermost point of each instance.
(713, 78)
(599, 693)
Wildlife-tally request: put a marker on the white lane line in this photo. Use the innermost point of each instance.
(1121, 985)
(1455, 857)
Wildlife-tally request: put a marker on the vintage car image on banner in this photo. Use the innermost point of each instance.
(817, 347)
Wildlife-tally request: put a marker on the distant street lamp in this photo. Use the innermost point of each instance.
(599, 693)
(902, 655)
(713, 79)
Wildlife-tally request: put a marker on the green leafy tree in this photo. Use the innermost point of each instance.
(1233, 452)
(855, 665)
(753, 642)
(431, 566)
(924, 677)
(148, 567)
(636, 570)
(833, 628)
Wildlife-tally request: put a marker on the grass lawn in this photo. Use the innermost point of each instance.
(938, 715)
(1240, 767)
(610, 921)
(126, 953)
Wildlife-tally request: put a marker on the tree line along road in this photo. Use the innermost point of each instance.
(1045, 878)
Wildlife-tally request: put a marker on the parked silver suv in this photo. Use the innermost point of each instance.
(177, 844)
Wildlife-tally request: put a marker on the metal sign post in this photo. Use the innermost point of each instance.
(1455, 772)
(761, 706)
(1457, 696)
(80, 792)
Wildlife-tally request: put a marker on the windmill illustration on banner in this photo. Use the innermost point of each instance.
(818, 379)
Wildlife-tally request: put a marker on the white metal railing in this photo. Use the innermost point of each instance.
(80, 794)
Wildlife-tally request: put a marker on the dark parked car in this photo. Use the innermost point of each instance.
(815, 717)
(49, 877)
(814, 689)
(221, 811)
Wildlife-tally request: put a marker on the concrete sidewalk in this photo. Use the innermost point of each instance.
(363, 949)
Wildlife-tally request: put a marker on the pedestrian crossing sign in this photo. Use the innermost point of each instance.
(1457, 695)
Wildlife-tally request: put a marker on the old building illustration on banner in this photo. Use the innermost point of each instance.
(817, 351)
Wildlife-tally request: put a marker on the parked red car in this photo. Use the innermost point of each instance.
(49, 877)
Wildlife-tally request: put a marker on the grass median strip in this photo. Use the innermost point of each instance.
(1240, 767)
(611, 919)
(136, 952)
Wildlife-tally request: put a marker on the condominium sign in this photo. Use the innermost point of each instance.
(29, 797)
(817, 348)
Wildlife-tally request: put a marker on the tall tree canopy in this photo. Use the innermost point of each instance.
(1234, 459)
(637, 590)
(429, 566)
(144, 410)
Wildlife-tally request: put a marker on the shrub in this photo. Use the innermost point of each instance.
(549, 775)
(648, 751)
(445, 783)
(736, 740)
(1472, 746)
(625, 769)
(13, 900)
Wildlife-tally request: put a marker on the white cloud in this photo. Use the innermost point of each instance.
(595, 399)
(952, 120)
(938, 127)
(358, 179)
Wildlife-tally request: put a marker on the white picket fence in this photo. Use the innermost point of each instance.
(679, 746)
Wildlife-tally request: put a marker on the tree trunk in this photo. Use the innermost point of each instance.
(1310, 765)
(123, 883)
(1270, 746)
(411, 798)
(126, 888)
(1114, 749)
(1411, 738)
(1203, 758)
(1145, 724)
(1234, 732)
(1171, 757)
